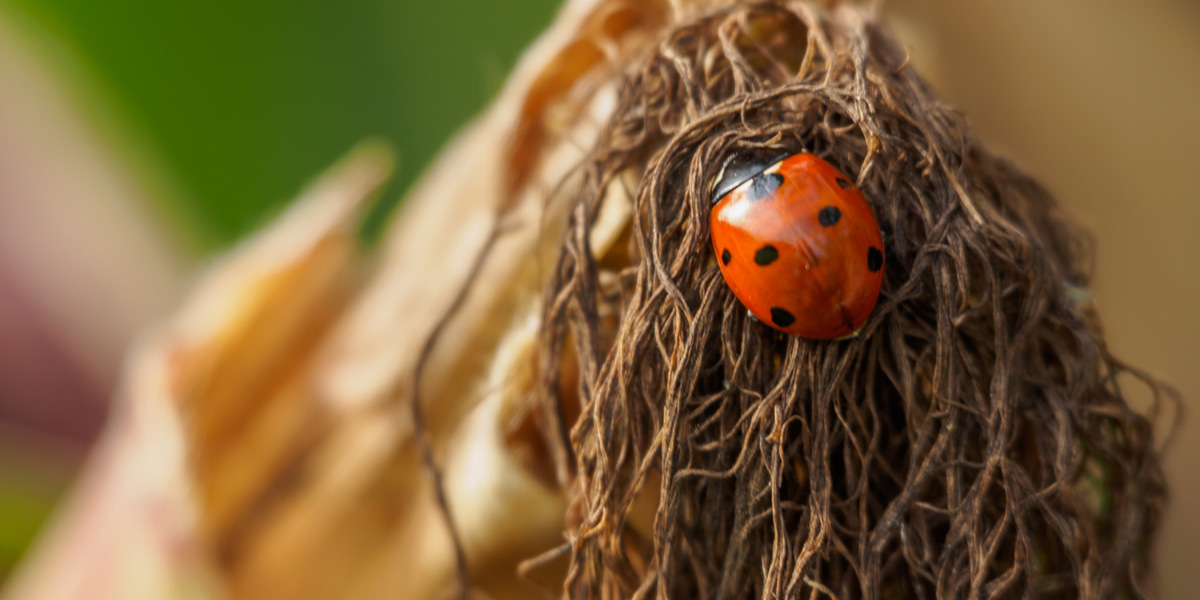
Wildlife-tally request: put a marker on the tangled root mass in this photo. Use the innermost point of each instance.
(972, 441)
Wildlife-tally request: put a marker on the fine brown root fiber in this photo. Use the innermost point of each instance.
(971, 442)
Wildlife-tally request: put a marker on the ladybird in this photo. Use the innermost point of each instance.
(798, 244)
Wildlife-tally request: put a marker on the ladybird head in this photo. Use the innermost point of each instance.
(740, 168)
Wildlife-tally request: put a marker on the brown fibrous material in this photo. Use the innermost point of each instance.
(972, 441)
(299, 426)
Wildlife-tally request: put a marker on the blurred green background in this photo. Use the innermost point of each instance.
(230, 107)
(243, 101)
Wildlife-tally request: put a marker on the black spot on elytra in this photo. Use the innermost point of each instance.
(829, 216)
(766, 255)
(844, 183)
(874, 259)
(781, 317)
(725, 257)
(764, 186)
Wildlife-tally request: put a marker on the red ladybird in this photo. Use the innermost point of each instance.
(798, 245)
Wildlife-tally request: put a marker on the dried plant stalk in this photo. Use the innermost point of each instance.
(581, 366)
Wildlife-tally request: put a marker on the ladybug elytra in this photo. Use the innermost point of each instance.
(798, 244)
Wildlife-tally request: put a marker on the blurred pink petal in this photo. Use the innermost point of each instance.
(84, 262)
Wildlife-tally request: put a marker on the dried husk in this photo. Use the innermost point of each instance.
(548, 296)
